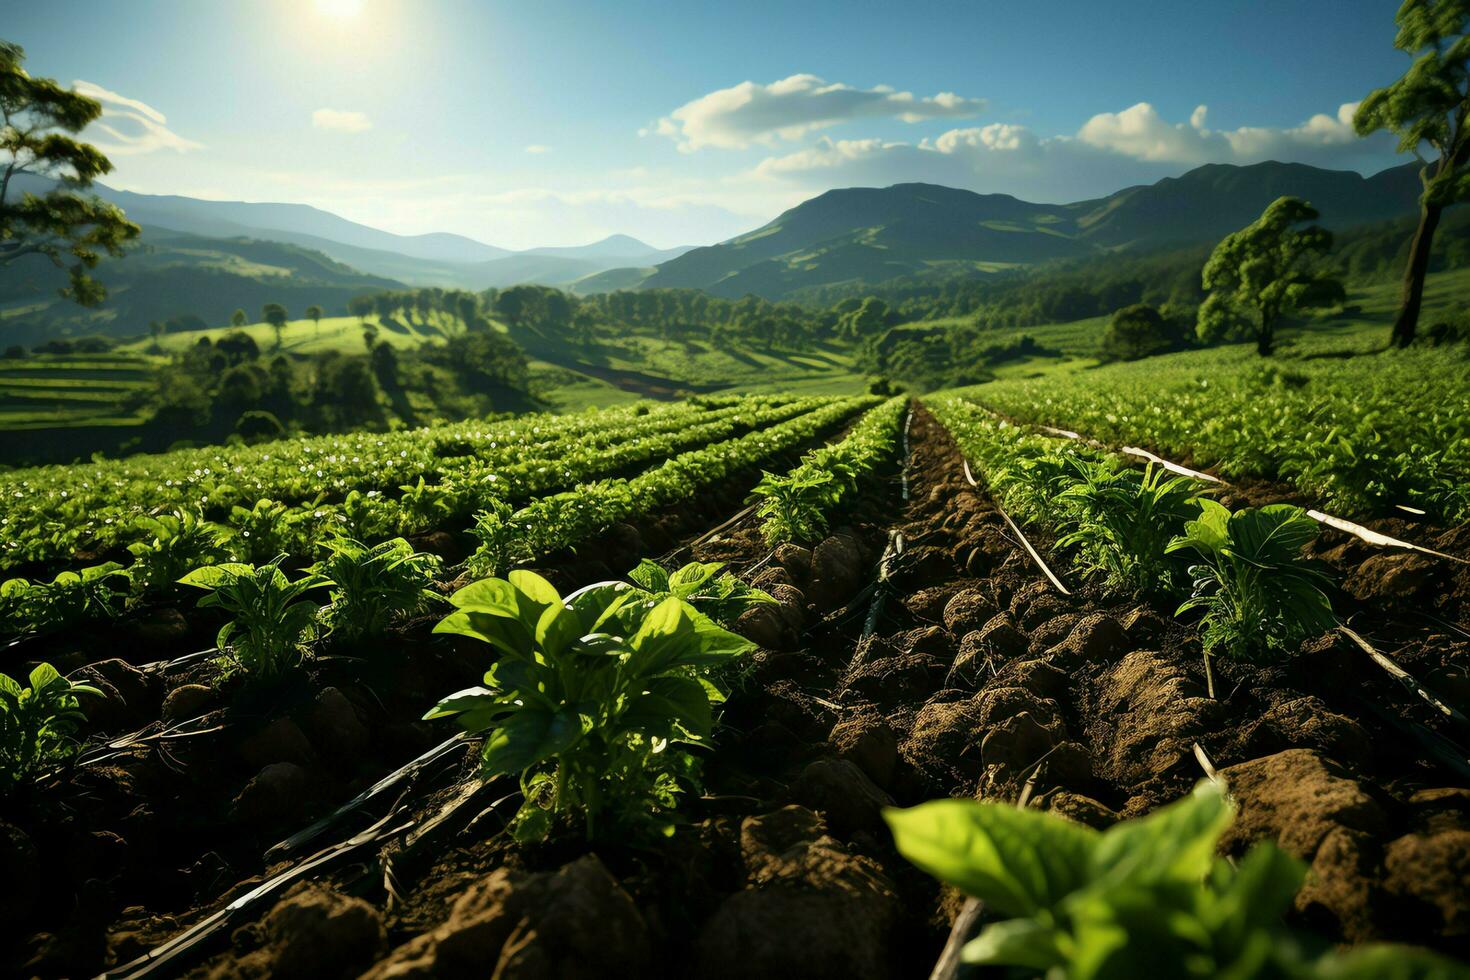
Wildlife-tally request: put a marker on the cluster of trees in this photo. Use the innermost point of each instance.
(543, 313)
(419, 306)
(229, 387)
(930, 357)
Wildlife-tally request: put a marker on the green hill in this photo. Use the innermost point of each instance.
(171, 274)
(873, 235)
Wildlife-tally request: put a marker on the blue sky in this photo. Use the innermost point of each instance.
(551, 123)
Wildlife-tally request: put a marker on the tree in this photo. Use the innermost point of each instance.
(1429, 104)
(314, 314)
(361, 307)
(1262, 272)
(1141, 330)
(238, 319)
(61, 224)
(275, 315)
(369, 336)
(156, 329)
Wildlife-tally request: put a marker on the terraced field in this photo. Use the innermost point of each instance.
(732, 687)
(48, 390)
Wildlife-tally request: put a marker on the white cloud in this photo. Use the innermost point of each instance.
(736, 117)
(1111, 150)
(538, 148)
(133, 127)
(1140, 132)
(341, 121)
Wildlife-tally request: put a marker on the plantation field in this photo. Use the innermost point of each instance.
(66, 390)
(567, 657)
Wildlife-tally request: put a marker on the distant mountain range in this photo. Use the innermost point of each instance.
(420, 260)
(208, 257)
(869, 235)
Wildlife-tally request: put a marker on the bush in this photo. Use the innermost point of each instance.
(1141, 330)
(256, 426)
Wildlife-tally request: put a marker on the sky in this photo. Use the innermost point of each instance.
(524, 123)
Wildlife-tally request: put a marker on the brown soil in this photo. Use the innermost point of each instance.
(976, 673)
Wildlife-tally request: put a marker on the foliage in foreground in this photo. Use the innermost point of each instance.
(272, 618)
(371, 585)
(36, 723)
(1260, 596)
(1258, 593)
(1146, 898)
(595, 701)
(704, 586)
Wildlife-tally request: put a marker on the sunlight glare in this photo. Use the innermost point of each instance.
(339, 8)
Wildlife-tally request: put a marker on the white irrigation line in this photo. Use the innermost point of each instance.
(1035, 556)
(1403, 676)
(1172, 467)
(1375, 538)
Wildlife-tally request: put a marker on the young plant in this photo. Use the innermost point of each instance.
(95, 592)
(267, 529)
(794, 506)
(703, 586)
(1259, 595)
(1122, 520)
(594, 701)
(1146, 898)
(272, 621)
(371, 585)
(499, 539)
(171, 544)
(36, 723)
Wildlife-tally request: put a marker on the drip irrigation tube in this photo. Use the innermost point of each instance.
(1035, 556)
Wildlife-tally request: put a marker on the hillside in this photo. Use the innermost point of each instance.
(172, 274)
(870, 235)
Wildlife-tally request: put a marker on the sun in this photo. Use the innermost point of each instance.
(339, 8)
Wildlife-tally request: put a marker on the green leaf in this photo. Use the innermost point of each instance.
(681, 699)
(692, 577)
(558, 628)
(1175, 841)
(535, 588)
(491, 595)
(650, 575)
(1018, 862)
(213, 576)
(1271, 535)
(1016, 942)
(663, 638)
(1386, 961)
(528, 737)
(1208, 533)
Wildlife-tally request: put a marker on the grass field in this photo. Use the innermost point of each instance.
(342, 333)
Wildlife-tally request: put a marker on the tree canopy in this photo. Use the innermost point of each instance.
(71, 229)
(1268, 269)
(1428, 106)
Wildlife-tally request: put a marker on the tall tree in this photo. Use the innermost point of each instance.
(1264, 271)
(61, 224)
(275, 315)
(156, 329)
(239, 319)
(314, 314)
(1429, 105)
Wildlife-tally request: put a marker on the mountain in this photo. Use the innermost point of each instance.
(870, 235)
(1211, 201)
(450, 261)
(171, 274)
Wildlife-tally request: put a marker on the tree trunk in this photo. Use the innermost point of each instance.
(1414, 272)
(1266, 333)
